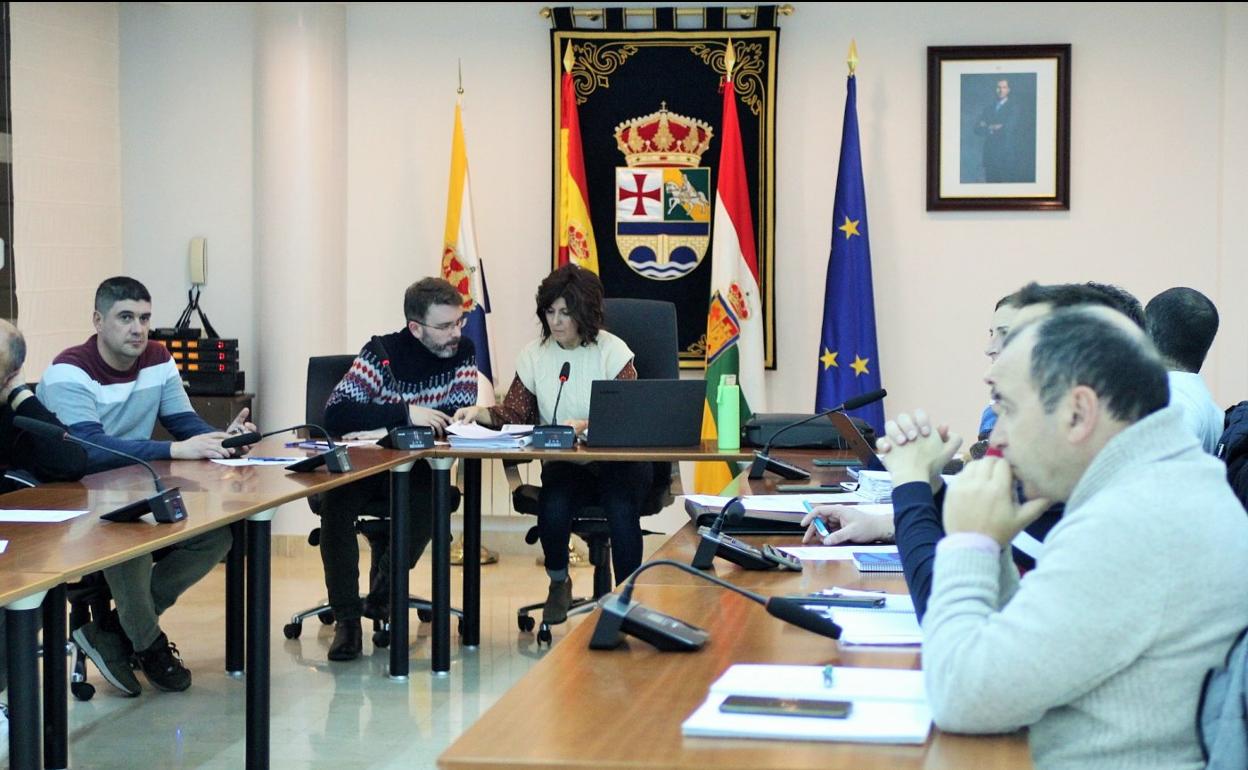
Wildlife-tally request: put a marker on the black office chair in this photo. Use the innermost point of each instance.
(324, 374)
(648, 327)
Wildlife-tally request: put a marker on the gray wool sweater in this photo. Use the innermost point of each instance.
(1101, 650)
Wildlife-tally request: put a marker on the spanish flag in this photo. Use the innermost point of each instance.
(734, 323)
(576, 233)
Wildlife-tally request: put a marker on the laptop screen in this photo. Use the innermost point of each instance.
(626, 413)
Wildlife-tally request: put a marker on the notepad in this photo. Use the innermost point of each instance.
(867, 561)
(890, 706)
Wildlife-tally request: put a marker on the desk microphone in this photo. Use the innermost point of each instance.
(714, 543)
(335, 459)
(403, 436)
(166, 505)
(621, 616)
(763, 461)
(556, 436)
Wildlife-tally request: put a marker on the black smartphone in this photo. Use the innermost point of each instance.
(835, 462)
(843, 600)
(786, 707)
(807, 488)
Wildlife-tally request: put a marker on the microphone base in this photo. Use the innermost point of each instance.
(335, 460)
(763, 463)
(408, 437)
(554, 437)
(739, 553)
(166, 507)
(618, 619)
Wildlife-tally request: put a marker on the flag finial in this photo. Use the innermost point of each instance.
(730, 59)
(852, 61)
(568, 59)
(460, 65)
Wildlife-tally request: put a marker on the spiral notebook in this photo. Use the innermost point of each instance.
(867, 561)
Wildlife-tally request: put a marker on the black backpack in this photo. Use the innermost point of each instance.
(1233, 450)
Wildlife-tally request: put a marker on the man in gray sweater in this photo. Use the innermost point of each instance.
(1102, 648)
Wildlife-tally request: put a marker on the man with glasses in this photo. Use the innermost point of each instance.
(419, 375)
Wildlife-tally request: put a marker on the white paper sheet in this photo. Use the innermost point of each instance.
(793, 503)
(235, 462)
(889, 706)
(876, 627)
(833, 552)
(14, 515)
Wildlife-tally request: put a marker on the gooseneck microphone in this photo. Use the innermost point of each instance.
(554, 435)
(564, 372)
(713, 542)
(763, 461)
(621, 616)
(166, 505)
(335, 459)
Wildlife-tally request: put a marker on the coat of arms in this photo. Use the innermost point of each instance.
(663, 199)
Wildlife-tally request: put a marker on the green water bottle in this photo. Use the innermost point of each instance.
(728, 412)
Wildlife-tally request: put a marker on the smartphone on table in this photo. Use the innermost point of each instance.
(786, 707)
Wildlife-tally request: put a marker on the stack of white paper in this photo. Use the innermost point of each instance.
(875, 486)
(785, 507)
(894, 624)
(474, 436)
(889, 705)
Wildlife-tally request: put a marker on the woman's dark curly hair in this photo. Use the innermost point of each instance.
(582, 291)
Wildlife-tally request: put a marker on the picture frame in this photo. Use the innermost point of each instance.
(998, 128)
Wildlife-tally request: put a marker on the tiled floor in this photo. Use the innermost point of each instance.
(341, 715)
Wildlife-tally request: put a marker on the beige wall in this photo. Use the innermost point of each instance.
(1159, 119)
(1151, 98)
(66, 169)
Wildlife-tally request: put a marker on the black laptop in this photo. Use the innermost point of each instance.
(854, 439)
(627, 413)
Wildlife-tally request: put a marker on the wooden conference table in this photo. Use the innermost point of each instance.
(441, 458)
(41, 558)
(581, 708)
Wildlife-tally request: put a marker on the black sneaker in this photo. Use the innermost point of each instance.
(106, 651)
(163, 666)
(558, 601)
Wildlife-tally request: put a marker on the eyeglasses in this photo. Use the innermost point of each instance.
(446, 327)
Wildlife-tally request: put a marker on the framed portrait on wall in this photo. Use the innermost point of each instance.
(998, 127)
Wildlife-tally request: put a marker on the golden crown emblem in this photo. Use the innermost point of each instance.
(663, 139)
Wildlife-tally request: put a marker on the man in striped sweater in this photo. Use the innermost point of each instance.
(111, 390)
(419, 375)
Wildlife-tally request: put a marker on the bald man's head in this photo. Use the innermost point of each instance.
(12, 349)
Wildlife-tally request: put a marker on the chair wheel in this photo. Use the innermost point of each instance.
(292, 630)
(326, 618)
(525, 623)
(381, 639)
(543, 635)
(425, 616)
(83, 691)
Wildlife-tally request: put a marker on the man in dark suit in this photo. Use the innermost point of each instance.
(998, 124)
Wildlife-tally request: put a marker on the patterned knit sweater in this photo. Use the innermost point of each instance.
(372, 395)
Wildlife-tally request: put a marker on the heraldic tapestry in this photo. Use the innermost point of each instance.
(649, 104)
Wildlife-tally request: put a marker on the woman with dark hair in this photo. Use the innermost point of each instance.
(569, 309)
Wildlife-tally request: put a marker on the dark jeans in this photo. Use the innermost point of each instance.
(617, 488)
(340, 550)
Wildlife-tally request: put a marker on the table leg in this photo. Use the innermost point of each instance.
(23, 682)
(400, 536)
(441, 637)
(55, 682)
(235, 589)
(472, 553)
(258, 593)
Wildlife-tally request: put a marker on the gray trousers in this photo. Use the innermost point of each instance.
(142, 591)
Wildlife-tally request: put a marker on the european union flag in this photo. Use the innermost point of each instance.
(849, 357)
